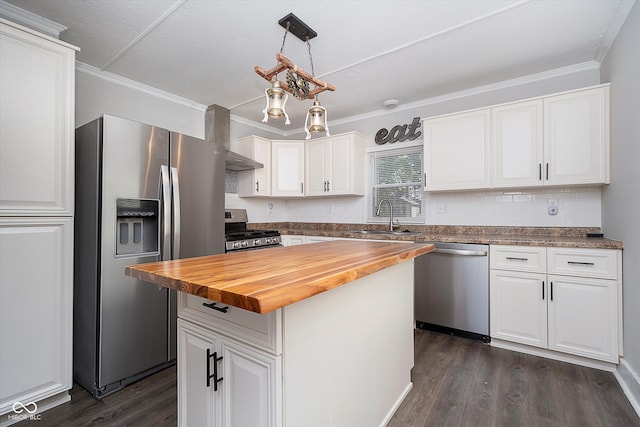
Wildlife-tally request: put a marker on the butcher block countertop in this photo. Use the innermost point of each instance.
(267, 279)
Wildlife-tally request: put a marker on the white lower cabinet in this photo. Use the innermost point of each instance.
(569, 303)
(237, 368)
(36, 293)
(583, 317)
(518, 310)
(222, 382)
(292, 240)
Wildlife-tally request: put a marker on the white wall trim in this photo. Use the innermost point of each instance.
(532, 78)
(255, 125)
(132, 84)
(630, 382)
(613, 30)
(31, 20)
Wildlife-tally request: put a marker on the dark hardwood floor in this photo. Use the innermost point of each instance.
(457, 382)
(460, 382)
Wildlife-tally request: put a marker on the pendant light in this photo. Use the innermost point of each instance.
(297, 82)
(276, 103)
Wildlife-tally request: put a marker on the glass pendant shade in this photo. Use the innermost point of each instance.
(276, 103)
(316, 120)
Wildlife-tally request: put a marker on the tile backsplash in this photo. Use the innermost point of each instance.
(577, 207)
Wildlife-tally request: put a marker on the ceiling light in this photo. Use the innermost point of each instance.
(297, 81)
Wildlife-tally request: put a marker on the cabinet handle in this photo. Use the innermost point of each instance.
(328, 186)
(543, 289)
(215, 307)
(580, 263)
(551, 291)
(257, 186)
(302, 187)
(325, 185)
(540, 171)
(213, 376)
(547, 171)
(513, 258)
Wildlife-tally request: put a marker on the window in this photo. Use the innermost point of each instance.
(396, 175)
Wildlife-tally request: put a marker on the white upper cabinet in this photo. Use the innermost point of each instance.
(37, 76)
(457, 151)
(576, 133)
(287, 178)
(255, 182)
(517, 136)
(335, 166)
(556, 140)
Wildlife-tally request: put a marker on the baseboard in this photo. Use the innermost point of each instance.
(630, 382)
(42, 406)
(550, 354)
(397, 405)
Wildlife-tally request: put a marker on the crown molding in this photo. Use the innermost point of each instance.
(609, 36)
(258, 125)
(132, 84)
(30, 20)
(532, 78)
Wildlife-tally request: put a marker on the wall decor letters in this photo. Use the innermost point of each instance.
(399, 133)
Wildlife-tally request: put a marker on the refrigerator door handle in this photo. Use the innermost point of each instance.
(175, 186)
(165, 196)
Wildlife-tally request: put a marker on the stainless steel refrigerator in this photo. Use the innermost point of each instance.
(143, 194)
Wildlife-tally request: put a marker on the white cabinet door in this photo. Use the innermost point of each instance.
(224, 383)
(251, 387)
(317, 167)
(518, 144)
(518, 304)
(347, 165)
(576, 128)
(197, 402)
(583, 317)
(37, 76)
(36, 293)
(335, 166)
(457, 151)
(287, 175)
(255, 182)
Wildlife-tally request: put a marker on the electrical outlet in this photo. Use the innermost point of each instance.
(553, 206)
(442, 208)
(329, 208)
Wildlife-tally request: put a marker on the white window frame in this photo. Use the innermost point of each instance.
(370, 208)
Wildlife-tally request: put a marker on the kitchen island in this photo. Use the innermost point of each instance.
(313, 335)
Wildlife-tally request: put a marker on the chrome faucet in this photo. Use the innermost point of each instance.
(390, 212)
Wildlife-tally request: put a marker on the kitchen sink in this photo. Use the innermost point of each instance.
(385, 232)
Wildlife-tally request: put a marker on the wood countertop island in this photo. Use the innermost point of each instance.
(260, 341)
(265, 280)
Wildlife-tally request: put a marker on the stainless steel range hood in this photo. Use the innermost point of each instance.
(217, 123)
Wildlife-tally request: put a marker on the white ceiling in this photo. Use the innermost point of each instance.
(206, 50)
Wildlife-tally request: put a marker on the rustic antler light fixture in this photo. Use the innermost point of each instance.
(297, 81)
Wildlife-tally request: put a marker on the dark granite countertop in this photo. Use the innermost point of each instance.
(570, 237)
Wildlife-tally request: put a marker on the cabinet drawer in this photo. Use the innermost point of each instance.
(599, 263)
(518, 258)
(260, 330)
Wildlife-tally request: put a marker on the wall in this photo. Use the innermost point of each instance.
(578, 206)
(621, 200)
(100, 93)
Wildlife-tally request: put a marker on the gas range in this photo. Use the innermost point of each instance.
(238, 238)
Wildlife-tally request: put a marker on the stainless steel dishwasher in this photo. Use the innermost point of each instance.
(452, 290)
